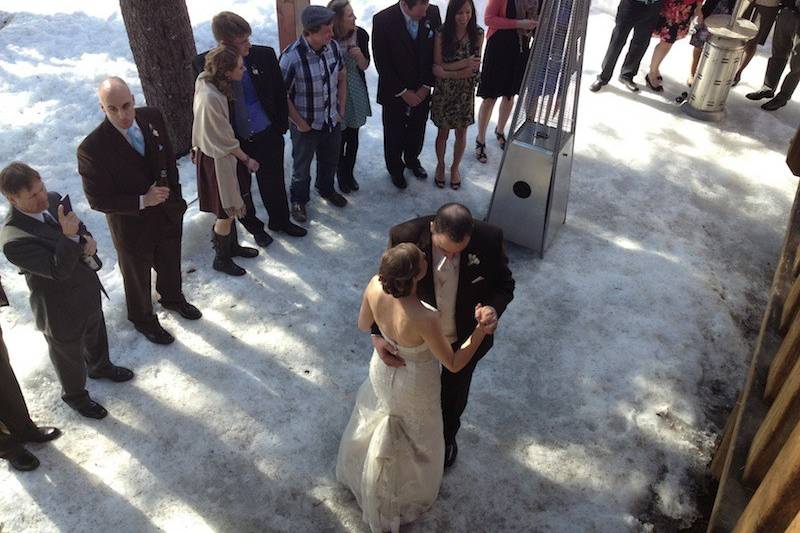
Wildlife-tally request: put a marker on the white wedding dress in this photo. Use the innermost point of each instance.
(392, 451)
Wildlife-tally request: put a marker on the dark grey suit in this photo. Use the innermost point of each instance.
(14, 416)
(65, 296)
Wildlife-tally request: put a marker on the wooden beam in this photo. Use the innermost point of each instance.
(781, 419)
(289, 25)
(776, 502)
(783, 362)
(794, 527)
(790, 307)
(732, 494)
(718, 462)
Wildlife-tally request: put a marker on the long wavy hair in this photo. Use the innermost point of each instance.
(219, 62)
(449, 28)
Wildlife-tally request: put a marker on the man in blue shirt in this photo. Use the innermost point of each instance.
(259, 116)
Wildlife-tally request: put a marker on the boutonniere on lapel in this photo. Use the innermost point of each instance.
(472, 259)
(428, 28)
(254, 70)
(154, 132)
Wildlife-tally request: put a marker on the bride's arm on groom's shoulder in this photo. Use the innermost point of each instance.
(432, 333)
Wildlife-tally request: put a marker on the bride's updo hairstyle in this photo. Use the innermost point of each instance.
(399, 267)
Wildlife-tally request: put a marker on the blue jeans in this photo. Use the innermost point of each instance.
(323, 144)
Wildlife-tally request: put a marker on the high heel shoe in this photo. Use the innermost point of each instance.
(501, 139)
(480, 152)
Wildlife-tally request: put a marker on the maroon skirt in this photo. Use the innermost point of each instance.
(207, 188)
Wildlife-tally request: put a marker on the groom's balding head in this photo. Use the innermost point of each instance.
(454, 221)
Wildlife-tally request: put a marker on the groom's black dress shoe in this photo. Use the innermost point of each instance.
(399, 181)
(418, 171)
(117, 374)
(40, 434)
(22, 460)
(185, 309)
(450, 453)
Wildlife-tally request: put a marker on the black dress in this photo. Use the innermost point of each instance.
(504, 61)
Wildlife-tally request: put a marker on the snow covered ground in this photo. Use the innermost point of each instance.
(609, 381)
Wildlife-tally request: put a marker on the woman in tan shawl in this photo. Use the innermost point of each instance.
(223, 169)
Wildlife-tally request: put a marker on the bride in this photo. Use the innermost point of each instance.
(392, 452)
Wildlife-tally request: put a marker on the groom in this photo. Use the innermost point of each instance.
(467, 265)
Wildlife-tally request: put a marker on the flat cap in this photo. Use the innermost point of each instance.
(314, 16)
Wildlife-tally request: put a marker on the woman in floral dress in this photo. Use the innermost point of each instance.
(456, 61)
(673, 24)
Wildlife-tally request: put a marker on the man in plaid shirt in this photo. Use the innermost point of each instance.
(316, 83)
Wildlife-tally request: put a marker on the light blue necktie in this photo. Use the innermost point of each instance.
(413, 28)
(137, 139)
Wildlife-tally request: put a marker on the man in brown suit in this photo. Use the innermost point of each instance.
(129, 173)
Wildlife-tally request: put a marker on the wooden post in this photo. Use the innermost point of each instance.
(784, 361)
(732, 495)
(777, 501)
(794, 527)
(781, 419)
(790, 307)
(289, 25)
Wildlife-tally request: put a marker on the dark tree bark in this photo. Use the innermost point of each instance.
(163, 47)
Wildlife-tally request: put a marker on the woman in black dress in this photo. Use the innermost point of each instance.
(510, 24)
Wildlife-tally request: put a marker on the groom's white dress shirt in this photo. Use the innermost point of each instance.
(445, 287)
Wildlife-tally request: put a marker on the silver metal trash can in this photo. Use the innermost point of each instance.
(719, 63)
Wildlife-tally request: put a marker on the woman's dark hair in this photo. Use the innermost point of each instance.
(399, 267)
(338, 7)
(449, 28)
(219, 62)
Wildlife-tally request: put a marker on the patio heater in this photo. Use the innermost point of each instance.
(530, 195)
(719, 62)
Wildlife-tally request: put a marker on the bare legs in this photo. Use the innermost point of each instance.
(441, 149)
(485, 113)
(660, 52)
(749, 52)
(695, 61)
(458, 154)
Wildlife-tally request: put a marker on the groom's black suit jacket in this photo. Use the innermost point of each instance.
(487, 280)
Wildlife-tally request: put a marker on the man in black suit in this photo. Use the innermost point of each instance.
(58, 257)
(402, 45)
(467, 265)
(14, 416)
(259, 116)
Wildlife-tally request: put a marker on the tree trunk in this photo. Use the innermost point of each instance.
(163, 47)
